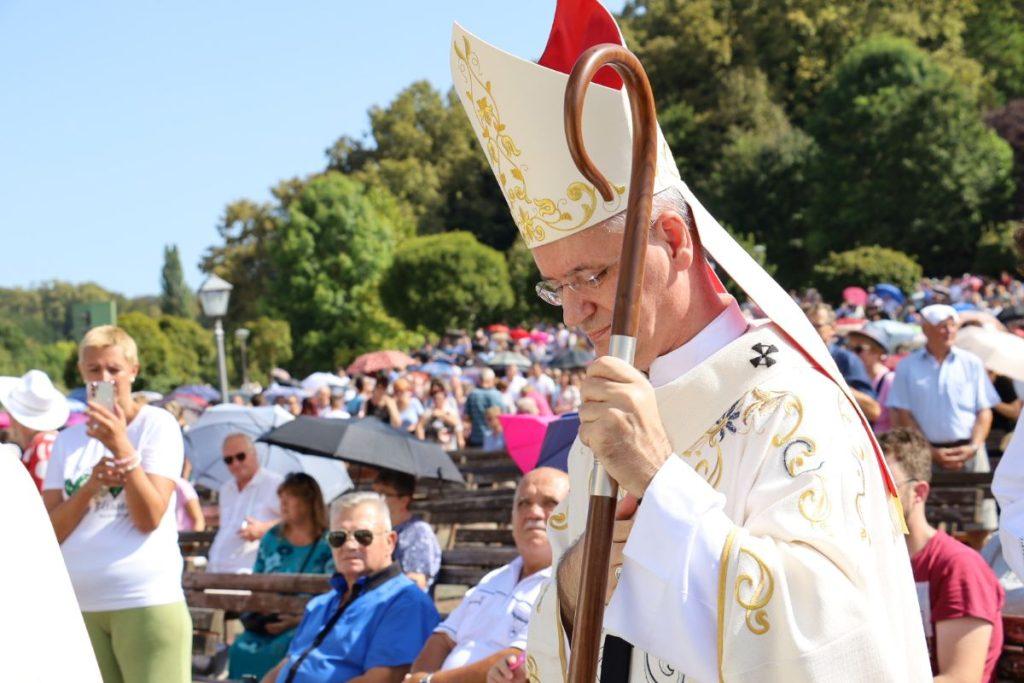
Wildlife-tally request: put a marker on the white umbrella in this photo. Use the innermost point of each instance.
(319, 379)
(203, 447)
(1002, 352)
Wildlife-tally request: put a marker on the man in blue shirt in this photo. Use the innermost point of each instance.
(477, 403)
(370, 628)
(945, 394)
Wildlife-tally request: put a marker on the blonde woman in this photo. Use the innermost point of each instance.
(108, 491)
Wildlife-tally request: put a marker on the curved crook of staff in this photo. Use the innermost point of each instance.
(589, 615)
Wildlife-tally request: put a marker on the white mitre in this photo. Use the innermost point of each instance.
(516, 109)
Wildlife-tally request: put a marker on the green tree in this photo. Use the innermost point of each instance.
(333, 246)
(424, 152)
(760, 185)
(1008, 121)
(524, 275)
(863, 267)
(193, 357)
(437, 282)
(175, 296)
(995, 38)
(248, 231)
(906, 160)
(269, 346)
(155, 352)
(997, 251)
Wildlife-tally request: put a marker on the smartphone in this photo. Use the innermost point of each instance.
(102, 393)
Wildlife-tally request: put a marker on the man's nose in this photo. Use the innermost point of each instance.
(575, 308)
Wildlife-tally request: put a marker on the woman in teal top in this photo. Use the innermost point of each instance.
(298, 545)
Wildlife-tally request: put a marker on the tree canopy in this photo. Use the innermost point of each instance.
(437, 282)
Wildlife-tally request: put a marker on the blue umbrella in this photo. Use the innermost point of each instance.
(558, 439)
(890, 291)
(441, 368)
(203, 391)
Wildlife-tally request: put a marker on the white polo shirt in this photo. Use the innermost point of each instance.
(230, 553)
(493, 615)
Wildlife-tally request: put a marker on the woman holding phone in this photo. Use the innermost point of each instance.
(108, 491)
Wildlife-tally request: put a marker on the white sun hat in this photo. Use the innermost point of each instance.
(33, 401)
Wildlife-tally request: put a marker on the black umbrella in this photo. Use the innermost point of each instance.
(573, 358)
(1011, 313)
(366, 441)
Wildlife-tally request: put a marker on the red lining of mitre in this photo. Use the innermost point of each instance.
(579, 25)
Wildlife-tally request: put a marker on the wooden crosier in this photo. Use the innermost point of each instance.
(589, 615)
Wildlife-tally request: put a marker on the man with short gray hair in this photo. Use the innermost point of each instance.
(371, 626)
(944, 393)
(249, 507)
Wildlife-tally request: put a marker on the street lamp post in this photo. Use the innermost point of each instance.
(242, 335)
(213, 298)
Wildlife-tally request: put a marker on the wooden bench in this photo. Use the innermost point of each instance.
(195, 543)
(1011, 662)
(957, 504)
(265, 593)
(486, 468)
(468, 507)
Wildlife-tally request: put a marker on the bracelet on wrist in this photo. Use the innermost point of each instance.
(132, 464)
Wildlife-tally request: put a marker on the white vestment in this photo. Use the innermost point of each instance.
(1008, 488)
(43, 632)
(766, 549)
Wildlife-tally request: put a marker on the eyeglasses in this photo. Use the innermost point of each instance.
(336, 539)
(240, 457)
(860, 348)
(550, 291)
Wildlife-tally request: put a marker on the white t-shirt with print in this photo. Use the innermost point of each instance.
(112, 564)
(493, 615)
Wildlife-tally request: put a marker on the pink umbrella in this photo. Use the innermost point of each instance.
(524, 436)
(75, 419)
(369, 363)
(540, 336)
(855, 296)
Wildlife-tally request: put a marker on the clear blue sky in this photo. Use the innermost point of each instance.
(129, 125)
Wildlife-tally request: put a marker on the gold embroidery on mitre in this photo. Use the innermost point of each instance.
(559, 521)
(532, 215)
(753, 593)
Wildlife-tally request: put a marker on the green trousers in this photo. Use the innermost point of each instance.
(143, 644)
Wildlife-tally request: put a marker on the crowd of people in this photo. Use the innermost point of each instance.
(117, 489)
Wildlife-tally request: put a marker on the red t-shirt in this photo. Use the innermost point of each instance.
(954, 582)
(37, 456)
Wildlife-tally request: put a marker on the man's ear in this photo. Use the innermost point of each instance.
(921, 490)
(671, 227)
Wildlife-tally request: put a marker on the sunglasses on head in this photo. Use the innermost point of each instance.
(336, 539)
(228, 459)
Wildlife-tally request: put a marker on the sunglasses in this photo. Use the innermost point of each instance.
(228, 459)
(336, 539)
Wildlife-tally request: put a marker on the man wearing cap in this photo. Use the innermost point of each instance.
(945, 394)
(37, 411)
(767, 544)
